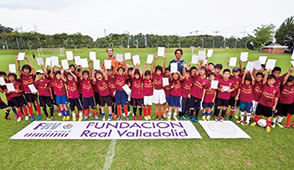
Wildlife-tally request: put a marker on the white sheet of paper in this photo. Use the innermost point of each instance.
(21, 56)
(174, 67)
(149, 59)
(12, 68)
(78, 60)
(194, 59)
(209, 53)
(249, 66)
(40, 61)
(262, 59)
(136, 59)
(201, 54)
(270, 64)
(233, 61)
(160, 51)
(292, 62)
(64, 64)
(226, 88)
(214, 84)
(244, 56)
(84, 63)
(48, 61)
(10, 87)
(257, 65)
(96, 64)
(2, 81)
(69, 55)
(107, 64)
(54, 60)
(127, 89)
(292, 57)
(92, 55)
(165, 81)
(128, 56)
(119, 57)
(33, 88)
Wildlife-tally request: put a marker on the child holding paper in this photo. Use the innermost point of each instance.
(257, 90)
(111, 85)
(208, 97)
(167, 89)
(27, 77)
(236, 79)
(148, 93)
(137, 92)
(186, 93)
(217, 70)
(279, 79)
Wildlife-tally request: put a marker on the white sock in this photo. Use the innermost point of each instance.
(248, 118)
(242, 116)
(73, 114)
(175, 113)
(80, 114)
(280, 119)
(274, 119)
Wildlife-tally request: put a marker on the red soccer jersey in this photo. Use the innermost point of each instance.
(236, 83)
(103, 87)
(186, 87)
(222, 83)
(147, 87)
(287, 94)
(197, 87)
(87, 89)
(43, 87)
(268, 95)
(137, 88)
(111, 83)
(120, 81)
(209, 93)
(18, 86)
(167, 89)
(157, 81)
(72, 89)
(176, 89)
(257, 91)
(279, 80)
(26, 80)
(58, 87)
(246, 93)
(218, 76)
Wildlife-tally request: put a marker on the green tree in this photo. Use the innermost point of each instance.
(285, 33)
(262, 36)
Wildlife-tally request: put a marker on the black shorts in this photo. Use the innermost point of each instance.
(137, 102)
(45, 100)
(96, 96)
(18, 101)
(75, 103)
(88, 101)
(105, 100)
(284, 109)
(232, 102)
(3, 105)
(222, 102)
(195, 103)
(30, 97)
(264, 110)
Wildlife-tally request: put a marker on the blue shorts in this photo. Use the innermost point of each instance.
(175, 101)
(120, 97)
(167, 98)
(61, 99)
(88, 101)
(206, 105)
(246, 106)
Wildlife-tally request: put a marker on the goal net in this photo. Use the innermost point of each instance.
(46, 52)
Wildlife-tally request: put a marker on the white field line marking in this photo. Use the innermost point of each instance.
(110, 155)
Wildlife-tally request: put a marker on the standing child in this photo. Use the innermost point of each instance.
(208, 97)
(148, 93)
(233, 103)
(137, 92)
(111, 85)
(186, 94)
(257, 90)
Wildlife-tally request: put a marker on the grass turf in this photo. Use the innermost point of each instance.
(265, 151)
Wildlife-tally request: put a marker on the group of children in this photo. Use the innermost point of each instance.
(206, 87)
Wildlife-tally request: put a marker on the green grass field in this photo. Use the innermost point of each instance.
(263, 150)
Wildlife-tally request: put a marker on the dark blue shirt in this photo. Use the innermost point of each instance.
(180, 66)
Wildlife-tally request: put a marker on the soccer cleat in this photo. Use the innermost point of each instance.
(194, 119)
(33, 118)
(157, 117)
(149, 117)
(59, 114)
(114, 116)
(268, 129)
(26, 117)
(280, 125)
(175, 117)
(52, 118)
(203, 118)
(221, 119)
(184, 118)
(208, 118)
(273, 125)
(109, 117)
(67, 118)
(8, 118)
(39, 117)
(140, 117)
(80, 118)
(236, 116)
(127, 118)
(168, 118)
(118, 117)
(96, 118)
(146, 117)
(74, 118)
(231, 118)
(19, 119)
(244, 123)
(15, 116)
(287, 126)
(86, 118)
(103, 116)
(253, 124)
(239, 121)
(216, 118)
(47, 118)
(134, 117)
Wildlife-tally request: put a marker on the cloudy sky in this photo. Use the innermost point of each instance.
(178, 17)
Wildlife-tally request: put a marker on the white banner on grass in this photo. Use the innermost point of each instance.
(109, 130)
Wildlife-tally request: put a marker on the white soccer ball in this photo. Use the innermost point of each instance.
(261, 123)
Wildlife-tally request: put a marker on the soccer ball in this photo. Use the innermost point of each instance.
(261, 123)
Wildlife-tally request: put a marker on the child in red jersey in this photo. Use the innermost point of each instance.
(208, 97)
(186, 94)
(285, 106)
(268, 100)
(279, 79)
(217, 70)
(101, 81)
(257, 90)
(137, 95)
(27, 77)
(225, 87)
(111, 85)
(147, 92)
(167, 90)
(245, 94)
(234, 104)
(45, 93)
(2, 105)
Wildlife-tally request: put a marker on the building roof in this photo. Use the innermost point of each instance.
(275, 45)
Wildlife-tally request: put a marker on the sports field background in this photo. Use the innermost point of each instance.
(273, 150)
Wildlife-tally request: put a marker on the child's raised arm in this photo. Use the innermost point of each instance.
(266, 76)
(287, 75)
(31, 65)
(153, 64)
(164, 60)
(18, 66)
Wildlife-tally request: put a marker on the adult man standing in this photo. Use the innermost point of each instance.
(178, 60)
(110, 52)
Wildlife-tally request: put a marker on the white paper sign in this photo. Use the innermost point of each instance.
(64, 64)
(292, 57)
(149, 59)
(107, 64)
(78, 60)
(174, 67)
(136, 59)
(127, 89)
(12, 68)
(32, 88)
(92, 56)
(84, 63)
(292, 62)
(69, 55)
(119, 57)
(10, 87)
(96, 64)
(226, 88)
(21, 56)
(257, 65)
(270, 64)
(128, 56)
(194, 59)
(233, 61)
(48, 61)
(249, 66)
(209, 53)
(160, 51)
(244, 56)
(54, 60)
(201, 55)
(262, 59)
(214, 84)
(2, 81)
(40, 61)
(165, 81)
